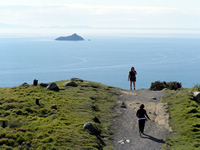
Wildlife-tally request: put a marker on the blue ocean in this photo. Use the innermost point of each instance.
(103, 59)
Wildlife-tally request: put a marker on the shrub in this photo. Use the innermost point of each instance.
(196, 88)
(157, 85)
(173, 85)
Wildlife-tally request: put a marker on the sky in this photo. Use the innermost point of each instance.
(101, 13)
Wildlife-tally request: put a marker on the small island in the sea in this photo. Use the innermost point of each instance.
(73, 37)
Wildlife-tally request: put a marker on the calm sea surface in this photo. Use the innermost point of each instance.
(101, 59)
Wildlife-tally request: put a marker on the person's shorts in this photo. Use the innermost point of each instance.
(132, 78)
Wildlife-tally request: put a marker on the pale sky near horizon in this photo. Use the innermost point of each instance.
(102, 14)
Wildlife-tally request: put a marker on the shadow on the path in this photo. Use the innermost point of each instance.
(152, 138)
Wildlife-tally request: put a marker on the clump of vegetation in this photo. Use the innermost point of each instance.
(196, 88)
(158, 85)
(25, 124)
(184, 117)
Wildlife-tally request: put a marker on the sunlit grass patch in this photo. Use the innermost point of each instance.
(184, 115)
(27, 124)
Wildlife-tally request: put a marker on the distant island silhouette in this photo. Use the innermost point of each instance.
(73, 37)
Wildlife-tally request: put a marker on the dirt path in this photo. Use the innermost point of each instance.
(126, 130)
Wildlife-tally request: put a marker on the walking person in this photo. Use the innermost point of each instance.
(132, 77)
(141, 114)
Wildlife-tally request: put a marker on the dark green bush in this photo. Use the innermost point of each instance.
(173, 85)
(157, 85)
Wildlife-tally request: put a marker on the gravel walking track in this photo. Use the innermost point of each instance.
(125, 125)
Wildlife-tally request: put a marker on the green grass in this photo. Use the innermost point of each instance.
(184, 115)
(23, 121)
(196, 88)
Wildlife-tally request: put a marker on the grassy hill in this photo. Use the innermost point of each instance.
(184, 117)
(26, 125)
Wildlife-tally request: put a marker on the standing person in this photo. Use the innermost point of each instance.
(132, 77)
(141, 113)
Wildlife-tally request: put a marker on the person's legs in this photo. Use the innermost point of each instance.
(134, 84)
(139, 124)
(130, 85)
(142, 123)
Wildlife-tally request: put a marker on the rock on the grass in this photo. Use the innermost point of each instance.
(89, 127)
(71, 83)
(76, 79)
(196, 95)
(53, 86)
(25, 84)
(44, 84)
(153, 98)
(53, 106)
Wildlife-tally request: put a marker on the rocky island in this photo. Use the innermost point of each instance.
(73, 37)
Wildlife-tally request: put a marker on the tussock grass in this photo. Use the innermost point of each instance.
(196, 88)
(24, 124)
(184, 115)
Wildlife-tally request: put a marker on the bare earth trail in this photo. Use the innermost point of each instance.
(125, 126)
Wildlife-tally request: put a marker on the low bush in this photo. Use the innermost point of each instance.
(158, 85)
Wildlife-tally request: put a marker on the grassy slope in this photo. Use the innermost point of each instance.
(185, 121)
(27, 122)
